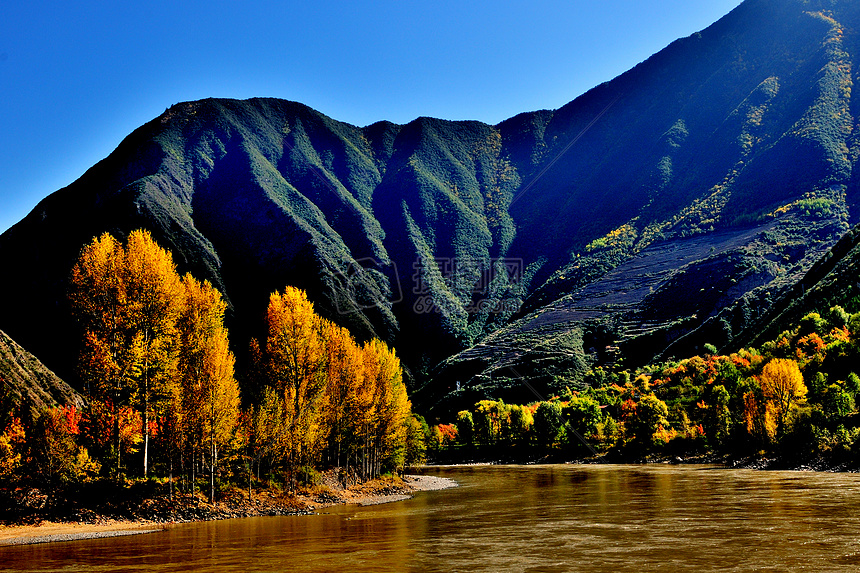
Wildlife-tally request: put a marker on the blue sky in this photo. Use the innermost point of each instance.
(77, 77)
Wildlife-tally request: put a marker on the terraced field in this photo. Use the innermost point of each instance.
(649, 295)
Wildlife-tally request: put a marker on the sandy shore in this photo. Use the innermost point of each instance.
(49, 532)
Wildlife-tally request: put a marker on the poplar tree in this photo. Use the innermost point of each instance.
(296, 365)
(345, 379)
(154, 294)
(210, 393)
(99, 302)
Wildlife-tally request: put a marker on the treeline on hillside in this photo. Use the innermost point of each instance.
(795, 397)
(163, 397)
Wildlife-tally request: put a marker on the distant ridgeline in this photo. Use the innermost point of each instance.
(665, 209)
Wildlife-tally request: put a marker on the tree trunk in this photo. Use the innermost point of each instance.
(145, 437)
(213, 451)
(116, 438)
(193, 467)
(146, 405)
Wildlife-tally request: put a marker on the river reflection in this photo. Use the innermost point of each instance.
(521, 518)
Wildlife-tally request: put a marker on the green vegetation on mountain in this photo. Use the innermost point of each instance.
(669, 207)
(795, 398)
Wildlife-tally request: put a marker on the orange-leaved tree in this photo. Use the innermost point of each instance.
(110, 353)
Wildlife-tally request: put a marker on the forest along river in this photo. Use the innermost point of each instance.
(520, 518)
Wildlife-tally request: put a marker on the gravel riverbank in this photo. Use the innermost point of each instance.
(371, 493)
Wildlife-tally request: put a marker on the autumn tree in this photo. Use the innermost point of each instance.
(154, 298)
(109, 354)
(385, 436)
(12, 442)
(346, 401)
(128, 300)
(210, 394)
(270, 428)
(296, 368)
(323, 392)
(519, 424)
(489, 418)
(651, 413)
(782, 385)
(153, 341)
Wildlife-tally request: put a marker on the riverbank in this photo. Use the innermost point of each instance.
(155, 514)
(819, 463)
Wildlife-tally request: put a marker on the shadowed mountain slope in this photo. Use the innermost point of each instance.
(29, 382)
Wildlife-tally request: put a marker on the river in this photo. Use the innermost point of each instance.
(520, 518)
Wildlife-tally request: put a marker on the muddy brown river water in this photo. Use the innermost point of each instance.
(520, 518)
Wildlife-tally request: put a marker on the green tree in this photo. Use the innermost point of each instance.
(416, 447)
(465, 427)
(583, 414)
(836, 402)
(548, 423)
(852, 384)
(651, 413)
(718, 418)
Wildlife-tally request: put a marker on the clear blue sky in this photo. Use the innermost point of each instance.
(77, 77)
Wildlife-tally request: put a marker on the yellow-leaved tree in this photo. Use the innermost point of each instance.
(111, 351)
(385, 432)
(321, 391)
(210, 394)
(345, 402)
(782, 385)
(295, 364)
(153, 341)
(154, 297)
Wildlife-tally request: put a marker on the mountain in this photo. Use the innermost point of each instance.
(29, 382)
(833, 281)
(662, 210)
